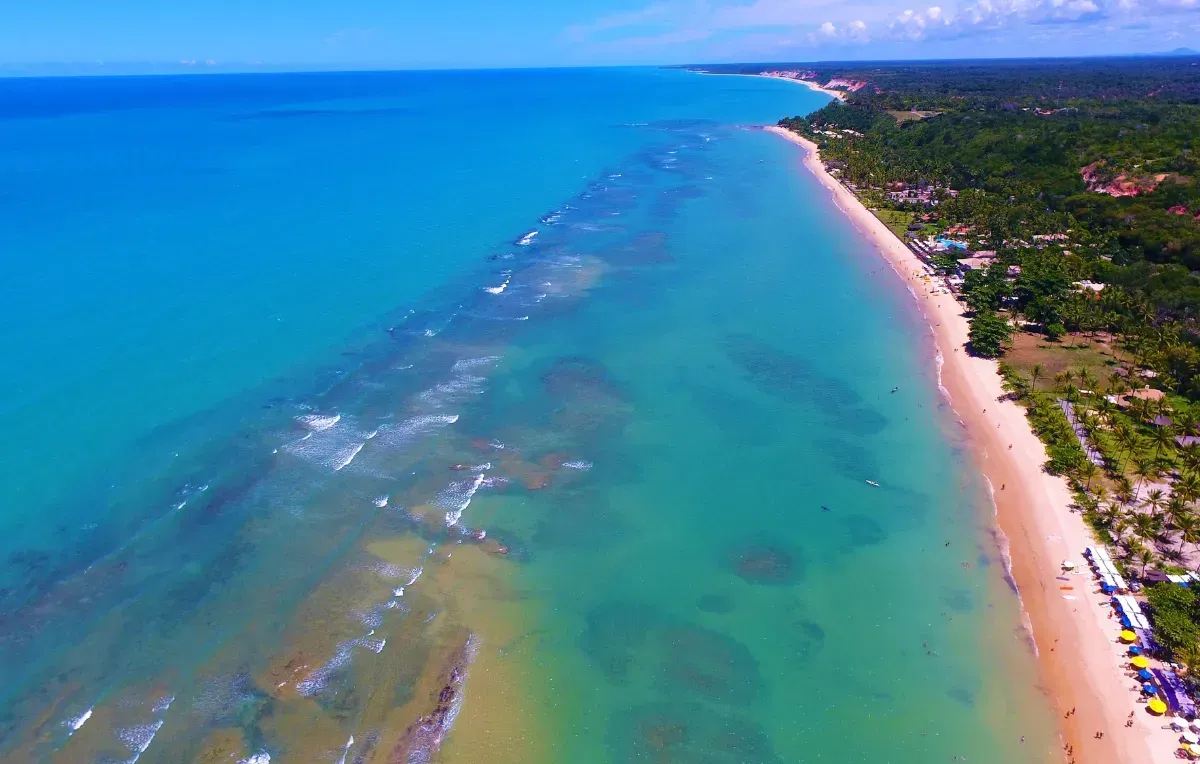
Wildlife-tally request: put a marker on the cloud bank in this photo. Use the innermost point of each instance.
(731, 26)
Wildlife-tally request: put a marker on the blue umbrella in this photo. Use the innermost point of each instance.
(1135, 650)
(1149, 689)
(1145, 675)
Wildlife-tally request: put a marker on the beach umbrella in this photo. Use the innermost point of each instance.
(1149, 689)
(1068, 565)
(1190, 737)
(1135, 650)
(1157, 706)
(1128, 636)
(1140, 661)
(1194, 749)
(1145, 675)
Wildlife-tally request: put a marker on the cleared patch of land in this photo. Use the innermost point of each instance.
(909, 116)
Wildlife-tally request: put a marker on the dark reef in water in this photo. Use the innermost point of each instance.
(421, 740)
(715, 603)
(788, 376)
(687, 733)
(634, 644)
(766, 562)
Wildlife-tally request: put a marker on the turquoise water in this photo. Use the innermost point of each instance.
(316, 454)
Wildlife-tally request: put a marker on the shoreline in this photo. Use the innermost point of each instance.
(1034, 516)
(836, 94)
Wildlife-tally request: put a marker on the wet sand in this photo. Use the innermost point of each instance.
(1079, 656)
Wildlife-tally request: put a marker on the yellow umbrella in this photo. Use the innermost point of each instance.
(1128, 636)
(1157, 706)
(1140, 661)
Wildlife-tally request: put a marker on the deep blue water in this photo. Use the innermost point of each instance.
(314, 451)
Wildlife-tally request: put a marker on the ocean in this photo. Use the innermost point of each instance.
(512, 416)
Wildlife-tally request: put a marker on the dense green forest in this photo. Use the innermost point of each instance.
(1072, 170)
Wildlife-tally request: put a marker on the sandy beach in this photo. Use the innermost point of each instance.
(838, 94)
(1081, 661)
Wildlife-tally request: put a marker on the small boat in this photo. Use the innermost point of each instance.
(872, 482)
(824, 507)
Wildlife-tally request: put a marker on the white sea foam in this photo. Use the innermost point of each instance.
(527, 239)
(319, 677)
(1006, 556)
(380, 501)
(939, 362)
(456, 497)
(139, 737)
(265, 758)
(467, 364)
(346, 750)
(402, 434)
(77, 722)
(162, 704)
(317, 422)
(347, 455)
(504, 285)
(578, 464)
(374, 644)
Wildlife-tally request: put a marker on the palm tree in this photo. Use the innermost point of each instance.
(1145, 557)
(1037, 371)
(1087, 380)
(1189, 529)
(1124, 495)
(1155, 499)
(1145, 527)
(1143, 469)
(1190, 456)
(1187, 488)
(1190, 535)
(1186, 422)
(1176, 509)
(1121, 527)
(1164, 437)
(1127, 439)
(1088, 472)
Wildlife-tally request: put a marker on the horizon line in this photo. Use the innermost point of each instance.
(13, 70)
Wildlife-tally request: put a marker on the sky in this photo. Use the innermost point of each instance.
(216, 35)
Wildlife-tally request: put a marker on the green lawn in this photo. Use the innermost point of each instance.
(895, 220)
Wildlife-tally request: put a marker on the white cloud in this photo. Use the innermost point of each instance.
(670, 22)
(850, 31)
(985, 15)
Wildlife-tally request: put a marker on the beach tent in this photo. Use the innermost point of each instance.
(1131, 611)
(1175, 692)
(1148, 641)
